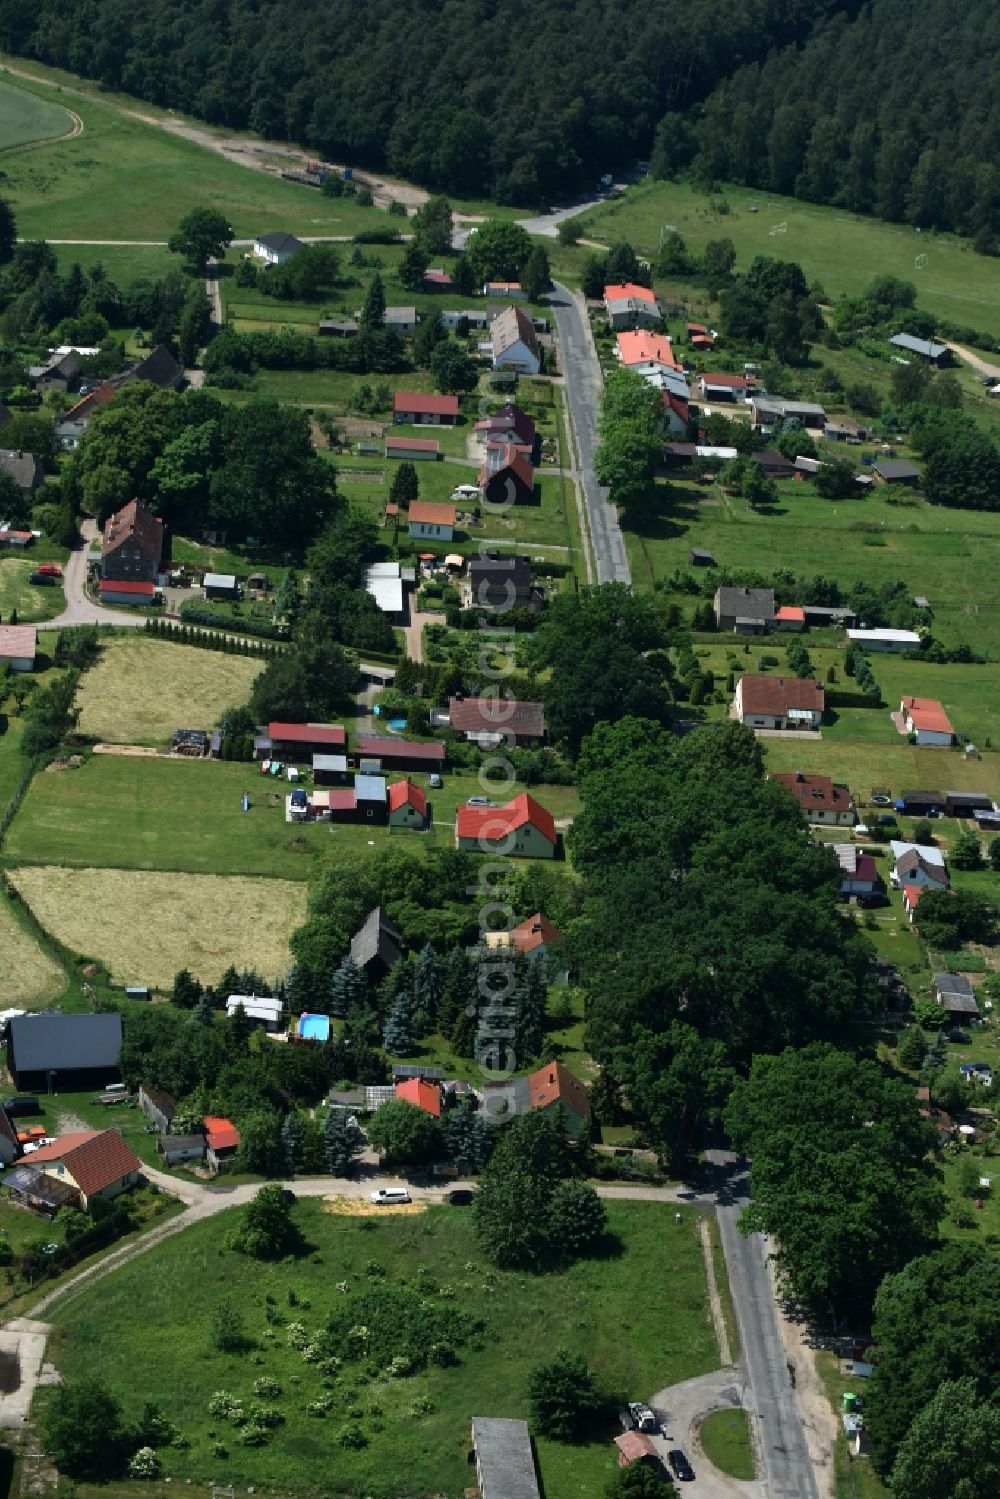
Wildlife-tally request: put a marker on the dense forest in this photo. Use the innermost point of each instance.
(890, 108)
(894, 113)
(493, 97)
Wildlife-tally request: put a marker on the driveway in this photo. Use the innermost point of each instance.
(79, 610)
(681, 1409)
(583, 385)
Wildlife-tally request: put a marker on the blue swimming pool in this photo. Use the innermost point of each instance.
(314, 1027)
(397, 725)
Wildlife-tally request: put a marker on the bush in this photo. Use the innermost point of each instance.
(564, 1398)
(145, 1464)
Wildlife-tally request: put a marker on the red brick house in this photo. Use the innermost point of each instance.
(132, 545)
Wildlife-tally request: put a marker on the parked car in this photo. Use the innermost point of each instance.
(390, 1196)
(881, 800)
(460, 1197)
(886, 820)
(42, 580)
(434, 780)
(870, 900)
(961, 1037)
(644, 1418)
(626, 1419)
(50, 570)
(479, 801)
(682, 1468)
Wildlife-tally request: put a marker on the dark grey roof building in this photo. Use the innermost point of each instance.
(744, 609)
(505, 1462)
(377, 945)
(66, 1048)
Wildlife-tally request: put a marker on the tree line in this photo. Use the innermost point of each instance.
(417, 91)
(890, 111)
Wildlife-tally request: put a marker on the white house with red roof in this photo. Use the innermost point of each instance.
(424, 409)
(521, 829)
(925, 718)
(718, 387)
(429, 521)
(18, 646)
(407, 805)
(222, 1140)
(514, 342)
(630, 306)
(98, 1163)
(819, 797)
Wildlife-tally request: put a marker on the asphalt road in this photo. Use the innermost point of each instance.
(781, 1441)
(583, 383)
(79, 610)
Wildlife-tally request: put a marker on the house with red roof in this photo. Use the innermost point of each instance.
(222, 1141)
(642, 350)
(421, 1094)
(636, 1447)
(631, 306)
(717, 387)
(555, 1090)
(779, 702)
(820, 799)
(521, 829)
(699, 337)
(508, 425)
(18, 646)
(407, 805)
(97, 1163)
(676, 414)
(429, 521)
(533, 937)
(925, 718)
(424, 409)
(789, 617)
(132, 545)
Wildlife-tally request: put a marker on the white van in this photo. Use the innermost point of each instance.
(389, 1196)
(465, 492)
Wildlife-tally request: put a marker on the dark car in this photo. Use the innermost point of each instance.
(43, 580)
(682, 1468)
(961, 1037)
(16, 1107)
(886, 820)
(870, 899)
(460, 1197)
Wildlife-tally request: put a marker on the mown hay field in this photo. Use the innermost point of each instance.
(146, 926)
(142, 689)
(30, 977)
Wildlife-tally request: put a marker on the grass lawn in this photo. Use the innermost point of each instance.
(948, 555)
(31, 978)
(173, 814)
(855, 1477)
(12, 763)
(146, 926)
(24, 119)
(124, 264)
(32, 603)
(142, 689)
(141, 179)
(841, 250)
(591, 1308)
(725, 1436)
(863, 764)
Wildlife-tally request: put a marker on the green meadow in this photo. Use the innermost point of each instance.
(952, 557)
(842, 251)
(415, 1428)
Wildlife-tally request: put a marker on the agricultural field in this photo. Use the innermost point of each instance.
(841, 251)
(127, 171)
(950, 556)
(142, 689)
(146, 926)
(30, 977)
(158, 813)
(416, 1428)
(25, 119)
